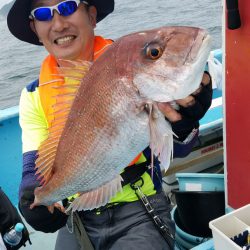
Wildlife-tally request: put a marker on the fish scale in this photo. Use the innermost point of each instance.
(114, 115)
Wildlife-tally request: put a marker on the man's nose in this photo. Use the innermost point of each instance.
(58, 22)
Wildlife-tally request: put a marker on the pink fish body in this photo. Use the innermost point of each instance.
(113, 116)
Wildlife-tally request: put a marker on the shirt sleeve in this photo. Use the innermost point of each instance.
(32, 120)
(34, 130)
(183, 148)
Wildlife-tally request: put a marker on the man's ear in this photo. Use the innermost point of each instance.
(92, 15)
(33, 28)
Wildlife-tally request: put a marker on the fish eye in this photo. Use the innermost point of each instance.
(154, 51)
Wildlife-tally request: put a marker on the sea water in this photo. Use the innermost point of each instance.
(20, 61)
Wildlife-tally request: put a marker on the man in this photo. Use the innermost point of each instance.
(66, 30)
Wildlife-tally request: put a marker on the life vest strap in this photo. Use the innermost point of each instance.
(132, 173)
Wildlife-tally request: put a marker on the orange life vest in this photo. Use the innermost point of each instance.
(49, 77)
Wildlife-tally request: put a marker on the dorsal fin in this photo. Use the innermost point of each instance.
(64, 97)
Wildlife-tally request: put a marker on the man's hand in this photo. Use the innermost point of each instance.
(41, 218)
(56, 205)
(191, 109)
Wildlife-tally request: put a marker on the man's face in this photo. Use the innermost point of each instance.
(70, 37)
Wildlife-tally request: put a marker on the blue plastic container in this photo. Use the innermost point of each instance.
(200, 182)
(184, 239)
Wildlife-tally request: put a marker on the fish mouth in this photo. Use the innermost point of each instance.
(206, 44)
(200, 48)
(195, 63)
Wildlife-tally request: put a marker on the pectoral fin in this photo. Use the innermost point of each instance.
(161, 136)
(98, 197)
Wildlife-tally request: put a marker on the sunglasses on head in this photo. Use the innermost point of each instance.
(64, 8)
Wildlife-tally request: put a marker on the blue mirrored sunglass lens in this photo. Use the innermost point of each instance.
(67, 8)
(43, 14)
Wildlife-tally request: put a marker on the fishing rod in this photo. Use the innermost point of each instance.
(233, 15)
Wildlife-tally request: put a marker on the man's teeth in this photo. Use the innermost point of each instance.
(63, 40)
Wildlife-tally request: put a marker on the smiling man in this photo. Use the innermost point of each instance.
(66, 30)
(66, 37)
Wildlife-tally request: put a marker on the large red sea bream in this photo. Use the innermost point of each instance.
(113, 115)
